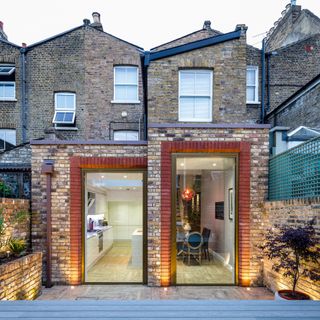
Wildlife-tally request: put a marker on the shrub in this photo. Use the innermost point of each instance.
(17, 246)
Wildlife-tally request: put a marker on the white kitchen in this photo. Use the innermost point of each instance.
(113, 227)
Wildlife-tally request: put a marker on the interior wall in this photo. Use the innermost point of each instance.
(212, 191)
(125, 217)
(229, 232)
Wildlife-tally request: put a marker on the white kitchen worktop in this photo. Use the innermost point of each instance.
(94, 233)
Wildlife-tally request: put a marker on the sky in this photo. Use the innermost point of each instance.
(145, 23)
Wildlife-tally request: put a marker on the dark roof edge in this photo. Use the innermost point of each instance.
(74, 29)
(89, 142)
(308, 86)
(187, 35)
(10, 43)
(210, 125)
(52, 38)
(192, 46)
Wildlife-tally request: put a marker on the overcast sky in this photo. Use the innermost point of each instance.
(145, 23)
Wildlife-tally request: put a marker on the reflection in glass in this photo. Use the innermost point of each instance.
(205, 220)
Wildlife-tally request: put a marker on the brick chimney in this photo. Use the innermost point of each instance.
(96, 21)
(2, 34)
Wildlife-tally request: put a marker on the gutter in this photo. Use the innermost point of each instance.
(48, 169)
(263, 75)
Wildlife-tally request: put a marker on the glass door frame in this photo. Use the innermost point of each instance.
(144, 222)
(174, 157)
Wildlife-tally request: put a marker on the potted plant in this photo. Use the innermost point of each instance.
(294, 252)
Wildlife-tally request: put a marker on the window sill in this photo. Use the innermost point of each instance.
(253, 102)
(66, 128)
(195, 120)
(126, 102)
(8, 99)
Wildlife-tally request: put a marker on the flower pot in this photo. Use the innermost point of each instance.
(290, 295)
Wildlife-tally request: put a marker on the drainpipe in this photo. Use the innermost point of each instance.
(268, 81)
(47, 169)
(145, 65)
(23, 94)
(263, 83)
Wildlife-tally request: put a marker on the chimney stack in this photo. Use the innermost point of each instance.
(2, 33)
(207, 25)
(96, 21)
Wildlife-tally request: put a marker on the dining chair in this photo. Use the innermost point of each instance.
(193, 247)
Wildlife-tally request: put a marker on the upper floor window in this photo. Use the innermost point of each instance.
(252, 84)
(7, 139)
(126, 84)
(7, 82)
(65, 109)
(195, 95)
(126, 135)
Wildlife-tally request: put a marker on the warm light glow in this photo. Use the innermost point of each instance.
(102, 177)
(165, 289)
(72, 287)
(248, 289)
(187, 194)
(125, 177)
(214, 164)
(182, 164)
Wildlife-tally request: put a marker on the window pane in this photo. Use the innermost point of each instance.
(126, 135)
(131, 76)
(202, 108)
(7, 90)
(64, 117)
(132, 135)
(202, 83)
(68, 117)
(132, 93)
(251, 94)
(120, 93)
(251, 77)
(120, 75)
(186, 108)
(59, 116)
(65, 101)
(187, 83)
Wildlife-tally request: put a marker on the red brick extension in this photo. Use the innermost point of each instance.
(243, 150)
(76, 164)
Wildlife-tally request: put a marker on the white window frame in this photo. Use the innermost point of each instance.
(125, 84)
(125, 131)
(58, 109)
(181, 118)
(14, 142)
(256, 91)
(13, 98)
(8, 73)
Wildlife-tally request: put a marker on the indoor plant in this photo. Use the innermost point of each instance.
(294, 252)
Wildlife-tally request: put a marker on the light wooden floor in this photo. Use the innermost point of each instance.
(116, 266)
(209, 272)
(161, 309)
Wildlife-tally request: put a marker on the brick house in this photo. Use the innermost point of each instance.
(147, 167)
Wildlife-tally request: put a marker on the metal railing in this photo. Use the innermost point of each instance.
(295, 173)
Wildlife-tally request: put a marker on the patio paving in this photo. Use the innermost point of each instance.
(140, 292)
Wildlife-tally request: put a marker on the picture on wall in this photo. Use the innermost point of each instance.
(219, 210)
(231, 204)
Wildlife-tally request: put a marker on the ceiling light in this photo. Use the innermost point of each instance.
(102, 177)
(182, 164)
(214, 164)
(125, 177)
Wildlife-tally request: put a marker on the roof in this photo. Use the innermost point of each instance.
(74, 29)
(302, 91)
(206, 33)
(150, 56)
(303, 133)
(14, 167)
(10, 43)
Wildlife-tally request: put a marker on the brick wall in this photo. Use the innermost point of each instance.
(66, 219)
(158, 201)
(18, 155)
(10, 111)
(21, 279)
(228, 62)
(302, 112)
(292, 213)
(291, 67)
(22, 230)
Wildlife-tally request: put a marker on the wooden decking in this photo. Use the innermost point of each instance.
(160, 309)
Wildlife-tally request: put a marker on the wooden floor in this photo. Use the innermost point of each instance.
(160, 309)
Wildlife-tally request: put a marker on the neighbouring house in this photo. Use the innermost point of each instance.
(135, 152)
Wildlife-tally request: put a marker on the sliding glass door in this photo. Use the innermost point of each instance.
(204, 219)
(114, 227)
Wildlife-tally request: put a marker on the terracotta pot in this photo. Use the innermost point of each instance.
(291, 295)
